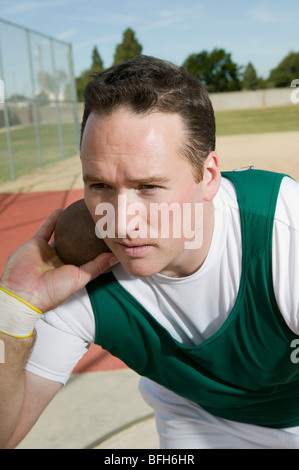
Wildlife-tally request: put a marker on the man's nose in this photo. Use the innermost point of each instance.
(130, 217)
(121, 215)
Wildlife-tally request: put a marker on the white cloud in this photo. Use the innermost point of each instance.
(266, 14)
(67, 34)
(113, 19)
(93, 42)
(179, 15)
(10, 7)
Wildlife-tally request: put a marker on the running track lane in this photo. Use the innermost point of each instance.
(21, 214)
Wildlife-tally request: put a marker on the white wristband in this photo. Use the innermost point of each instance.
(17, 317)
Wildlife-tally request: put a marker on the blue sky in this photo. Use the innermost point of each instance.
(260, 31)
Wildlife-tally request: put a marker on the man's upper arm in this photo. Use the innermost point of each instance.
(285, 252)
(38, 393)
(62, 337)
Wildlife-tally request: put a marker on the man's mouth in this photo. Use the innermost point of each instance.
(133, 249)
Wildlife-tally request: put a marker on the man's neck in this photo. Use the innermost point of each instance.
(192, 260)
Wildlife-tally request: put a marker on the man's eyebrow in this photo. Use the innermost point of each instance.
(148, 180)
(87, 178)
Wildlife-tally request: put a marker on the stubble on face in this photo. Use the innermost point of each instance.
(138, 157)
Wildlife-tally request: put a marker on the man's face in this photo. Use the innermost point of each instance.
(132, 164)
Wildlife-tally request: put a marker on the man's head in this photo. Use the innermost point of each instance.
(148, 144)
(145, 85)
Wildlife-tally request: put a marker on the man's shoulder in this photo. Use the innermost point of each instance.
(288, 203)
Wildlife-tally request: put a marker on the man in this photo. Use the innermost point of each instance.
(210, 326)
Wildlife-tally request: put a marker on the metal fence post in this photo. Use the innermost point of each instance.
(6, 122)
(34, 104)
(74, 98)
(60, 136)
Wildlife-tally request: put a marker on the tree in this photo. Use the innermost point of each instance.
(250, 78)
(215, 70)
(97, 63)
(128, 49)
(96, 66)
(286, 71)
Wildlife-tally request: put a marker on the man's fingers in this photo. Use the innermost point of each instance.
(94, 268)
(47, 229)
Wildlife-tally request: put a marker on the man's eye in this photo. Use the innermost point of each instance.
(99, 186)
(148, 187)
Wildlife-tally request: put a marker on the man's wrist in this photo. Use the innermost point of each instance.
(17, 316)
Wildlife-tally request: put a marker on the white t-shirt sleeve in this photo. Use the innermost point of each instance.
(63, 336)
(285, 253)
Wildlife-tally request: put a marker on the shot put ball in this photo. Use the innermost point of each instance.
(74, 238)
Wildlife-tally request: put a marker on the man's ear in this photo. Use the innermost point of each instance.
(211, 176)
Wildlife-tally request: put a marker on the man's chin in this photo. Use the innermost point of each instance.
(140, 269)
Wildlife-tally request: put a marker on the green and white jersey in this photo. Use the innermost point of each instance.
(220, 340)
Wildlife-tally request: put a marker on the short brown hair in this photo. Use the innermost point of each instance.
(146, 84)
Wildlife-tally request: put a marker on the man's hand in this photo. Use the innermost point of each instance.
(36, 274)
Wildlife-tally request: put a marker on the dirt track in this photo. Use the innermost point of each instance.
(274, 151)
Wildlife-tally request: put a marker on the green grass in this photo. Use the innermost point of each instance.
(25, 149)
(257, 121)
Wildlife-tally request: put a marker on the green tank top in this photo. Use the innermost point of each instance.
(244, 372)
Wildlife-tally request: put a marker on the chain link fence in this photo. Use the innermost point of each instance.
(39, 121)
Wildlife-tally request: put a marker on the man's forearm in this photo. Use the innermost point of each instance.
(16, 351)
